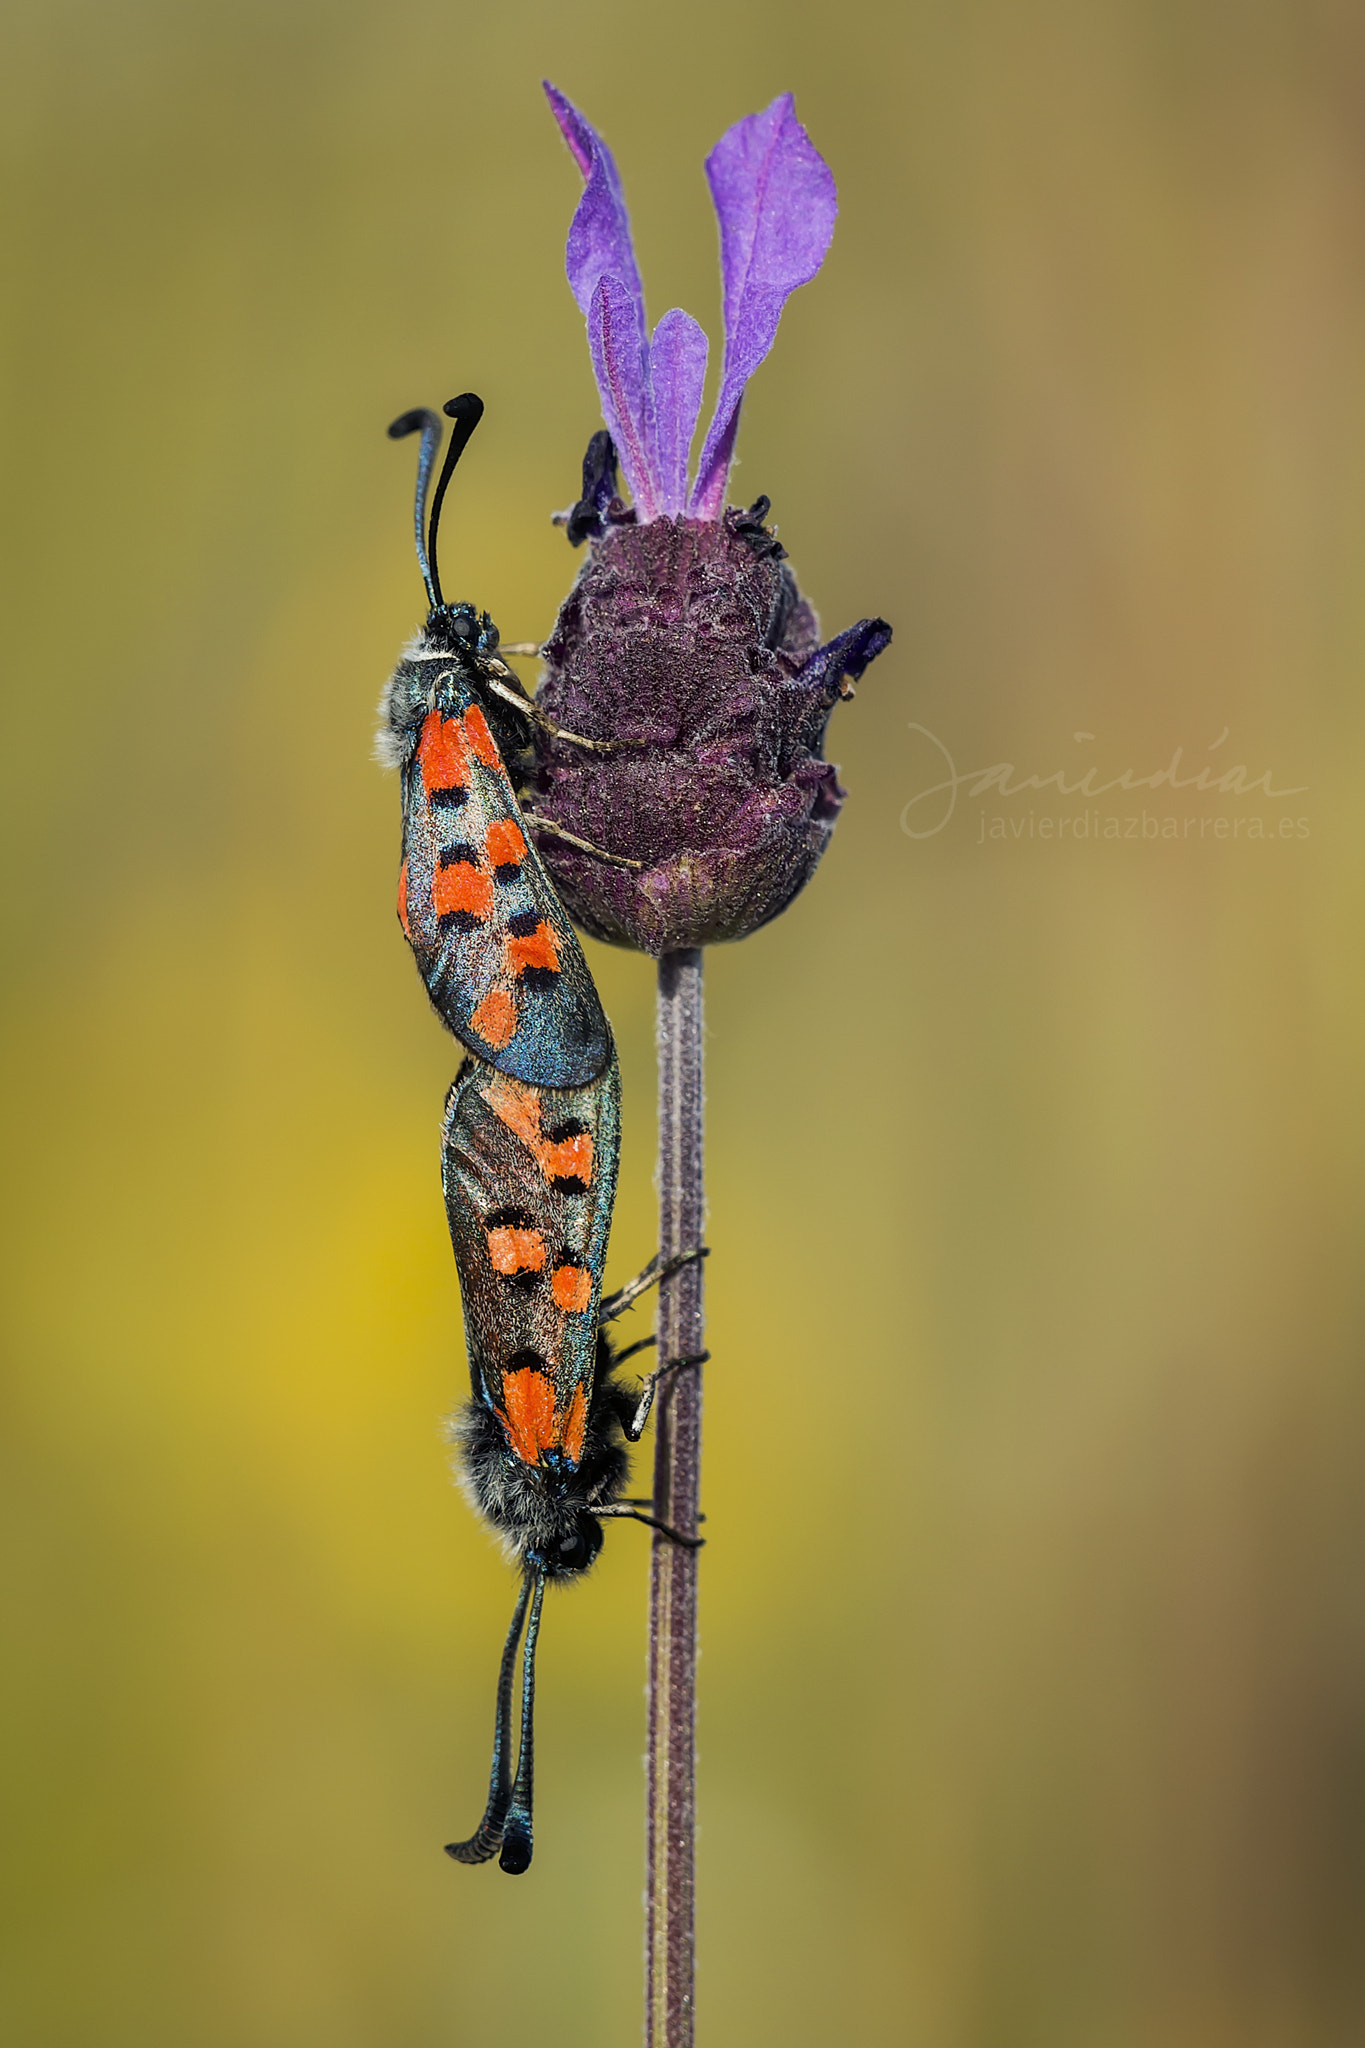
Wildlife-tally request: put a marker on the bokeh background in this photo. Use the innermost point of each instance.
(1033, 1706)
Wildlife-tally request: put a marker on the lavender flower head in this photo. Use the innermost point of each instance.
(685, 639)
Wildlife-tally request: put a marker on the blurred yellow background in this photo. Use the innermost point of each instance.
(1033, 1708)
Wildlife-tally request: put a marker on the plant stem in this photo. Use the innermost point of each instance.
(671, 1818)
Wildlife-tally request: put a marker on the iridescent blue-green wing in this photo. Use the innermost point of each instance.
(530, 1180)
(500, 959)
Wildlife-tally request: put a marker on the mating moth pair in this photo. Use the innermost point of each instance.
(530, 1141)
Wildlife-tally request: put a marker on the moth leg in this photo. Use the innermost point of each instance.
(623, 1513)
(539, 824)
(644, 1501)
(658, 1269)
(511, 692)
(635, 1428)
(577, 739)
(643, 1344)
(527, 647)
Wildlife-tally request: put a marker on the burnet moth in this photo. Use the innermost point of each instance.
(530, 1177)
(502, 966)
(531, 1138)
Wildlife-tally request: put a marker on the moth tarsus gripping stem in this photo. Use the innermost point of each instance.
(630, 1500)
(548, 825)
(691, 1361)
(635, 1427)
(658, 1269)
(643, 1500)
(620, 1512)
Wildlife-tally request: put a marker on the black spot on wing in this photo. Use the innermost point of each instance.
(525, 1361)
(523, 1281)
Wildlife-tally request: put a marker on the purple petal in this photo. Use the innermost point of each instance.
(600, 250)
(599, 234)
(677, 368)
(620, 361)
(775, 200)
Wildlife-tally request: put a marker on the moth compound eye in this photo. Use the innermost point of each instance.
(576, 1551)
(464, 629)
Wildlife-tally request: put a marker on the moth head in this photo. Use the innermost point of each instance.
(572, 1548)
(458, 629)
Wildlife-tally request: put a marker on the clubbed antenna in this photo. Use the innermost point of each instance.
(421, 420)
(487, 1839)
(516, 1840)
(466, 411)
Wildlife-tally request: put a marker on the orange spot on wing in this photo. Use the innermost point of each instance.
(577, 1422)
(495, 1020)
(529, 1407)
(461, 887)
(505, 843)
(571, 1287)
(518, 1106)
(403, 901)
(481, 742)
(539, 950)
(445, 765)
(570, 1159)
(516, 1251)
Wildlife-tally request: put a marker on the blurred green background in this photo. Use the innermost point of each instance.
(1033, 1707)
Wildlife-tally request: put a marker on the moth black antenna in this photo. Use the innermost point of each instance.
(516, 1838)
(466, 411)
(421, 420)
(487, 1838)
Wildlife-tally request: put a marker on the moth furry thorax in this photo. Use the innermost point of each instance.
(456, 633)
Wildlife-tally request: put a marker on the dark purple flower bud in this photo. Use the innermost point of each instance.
(685, 642)
(688, 640)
